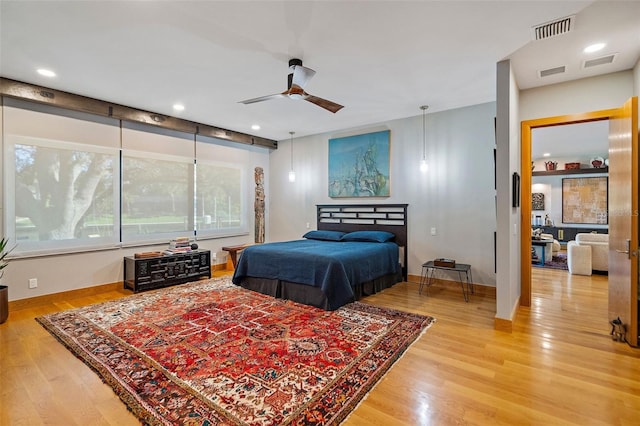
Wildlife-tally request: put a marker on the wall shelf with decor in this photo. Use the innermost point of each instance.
(570, 172)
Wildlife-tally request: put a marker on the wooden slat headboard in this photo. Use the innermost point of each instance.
(371, 217)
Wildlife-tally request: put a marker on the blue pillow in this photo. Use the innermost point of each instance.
(369, 236)
(324, 235)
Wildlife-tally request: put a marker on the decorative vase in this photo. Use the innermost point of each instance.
(4, 303)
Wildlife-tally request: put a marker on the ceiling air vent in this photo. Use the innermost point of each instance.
(553, 28)
(599, 61)
(552, 71)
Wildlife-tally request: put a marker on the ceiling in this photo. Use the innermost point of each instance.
(382, 60)
(577, 140)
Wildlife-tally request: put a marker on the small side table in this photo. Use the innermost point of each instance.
(545, 248)
(429, 270)
(233, 252)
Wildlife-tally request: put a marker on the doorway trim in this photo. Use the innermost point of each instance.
(525, 190)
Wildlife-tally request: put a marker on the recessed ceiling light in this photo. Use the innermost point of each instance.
(178, 107)
(594, 47)
(46, 73)
(255, 126)
(546, 154)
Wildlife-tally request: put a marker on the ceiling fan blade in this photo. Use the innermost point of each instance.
(263, 98)
(301, 75)
(297, 79)
(323, 103)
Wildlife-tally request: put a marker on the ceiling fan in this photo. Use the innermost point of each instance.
(298, 78)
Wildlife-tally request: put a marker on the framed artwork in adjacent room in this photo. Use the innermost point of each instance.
(359, 165)
(537, 201)
(585, 200)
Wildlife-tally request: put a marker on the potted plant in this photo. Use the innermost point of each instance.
(4, 290)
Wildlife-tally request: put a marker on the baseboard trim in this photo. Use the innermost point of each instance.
(481, 288)
(506, 325)
(47, 299)
(501, 324)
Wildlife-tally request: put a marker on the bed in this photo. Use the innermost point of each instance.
(357, 250)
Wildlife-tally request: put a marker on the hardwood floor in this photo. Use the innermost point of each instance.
(559, 366)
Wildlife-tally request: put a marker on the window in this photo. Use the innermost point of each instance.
(221, 191)
(157, 185)
(60, 190)
(219, 203)
(74, 181)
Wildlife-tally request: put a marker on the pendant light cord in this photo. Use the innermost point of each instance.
(291, 142)
(424, 131)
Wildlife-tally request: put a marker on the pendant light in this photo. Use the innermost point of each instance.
(292, 174)
(423, 163)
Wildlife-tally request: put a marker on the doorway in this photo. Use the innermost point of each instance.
(564, 156)
(526, 180)
(623, 205)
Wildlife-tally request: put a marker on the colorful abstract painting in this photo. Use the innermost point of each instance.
(359, 165)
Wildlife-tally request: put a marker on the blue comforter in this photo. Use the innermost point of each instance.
(334, 267)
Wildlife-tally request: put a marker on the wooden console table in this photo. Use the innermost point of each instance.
(153, 272)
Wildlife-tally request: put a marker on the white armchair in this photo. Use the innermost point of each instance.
(588, 253)
(578, 258)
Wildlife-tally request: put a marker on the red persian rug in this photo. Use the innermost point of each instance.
(212, 353)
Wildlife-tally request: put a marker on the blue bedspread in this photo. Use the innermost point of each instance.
(334, 267)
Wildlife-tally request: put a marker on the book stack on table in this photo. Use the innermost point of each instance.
(179, 245)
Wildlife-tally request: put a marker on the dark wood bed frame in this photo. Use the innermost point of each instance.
(367, 217)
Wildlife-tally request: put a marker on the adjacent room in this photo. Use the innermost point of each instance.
(320, 213)
(569, 197)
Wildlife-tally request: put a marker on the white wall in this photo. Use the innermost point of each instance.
(456, 195)
(575, 97)
(508, 162)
